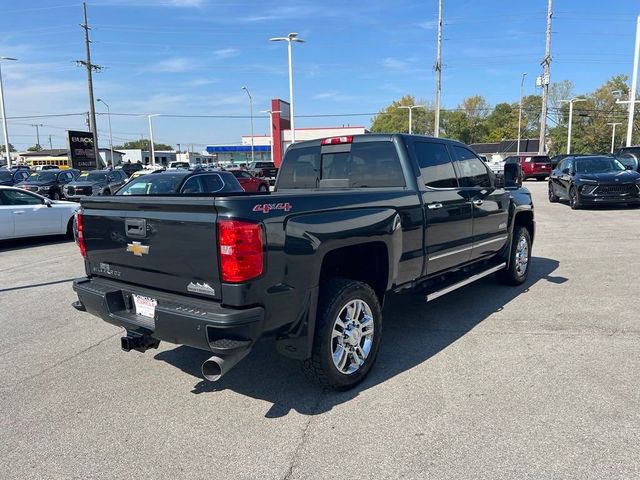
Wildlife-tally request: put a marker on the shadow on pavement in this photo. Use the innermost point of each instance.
(22, 243)
(414, 331)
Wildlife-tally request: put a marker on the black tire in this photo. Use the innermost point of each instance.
(514, 274)
(55, 196)
(263, 188)
(574, 199)
(541, 179)
(70, 228)
(553, 198)
(334, 298)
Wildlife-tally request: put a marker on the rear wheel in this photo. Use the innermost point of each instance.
(541, 179)
(347, 334)
(70, 227)
(518, 270)
(553, 198)
(574, 199)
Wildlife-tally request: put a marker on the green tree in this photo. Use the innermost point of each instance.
(590, 130)
(467, 122)
(11, 148)
(142, 144)
(35, 148)
(396, 120)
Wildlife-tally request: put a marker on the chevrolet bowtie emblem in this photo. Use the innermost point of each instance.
(137, 249)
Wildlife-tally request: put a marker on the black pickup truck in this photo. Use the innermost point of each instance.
(351, 219)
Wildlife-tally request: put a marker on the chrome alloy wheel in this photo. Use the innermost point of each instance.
(522, 256)
(352, 336)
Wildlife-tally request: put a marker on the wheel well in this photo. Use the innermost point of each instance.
(368, 263)
(525, 219)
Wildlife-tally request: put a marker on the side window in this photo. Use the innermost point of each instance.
(563, 164)
(473, 171)
(192, 185)
(14, 197)
(212, 183)
(435, 165)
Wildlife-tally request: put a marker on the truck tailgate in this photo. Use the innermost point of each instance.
(168, 243)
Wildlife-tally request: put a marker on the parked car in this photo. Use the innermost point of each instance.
(266, 170)
(186, 165)
(26, 214)
(533, 166)
(629, 157)
(49, 183)
(46, 167)
(589, 180)
(145, 171)
(351, 219)
(12, 177)
(181, 182)
(129, 168)
(95, 182)
(249, 182)
(555, 160)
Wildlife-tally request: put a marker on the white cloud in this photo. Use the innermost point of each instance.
(174, 65)
(334, 96)
(226, 53)
(429, 24)
(393, 63)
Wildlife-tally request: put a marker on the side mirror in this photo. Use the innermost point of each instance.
(498, 181)
(47, 202)
(512, 175)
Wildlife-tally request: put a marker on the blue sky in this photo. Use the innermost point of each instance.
(191, 57)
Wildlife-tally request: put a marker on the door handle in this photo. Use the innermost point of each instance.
(18, 212)
(434, 206)
(478, 202)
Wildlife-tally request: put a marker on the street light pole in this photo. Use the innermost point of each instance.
(113, 166)
(292, 37)
(270, 112)
(613, 134)
(571, 102)
(152, 148)
(4, 113)
(634, 84)
(251, 116)
(520, 110)
(410, 108)
(37, 125)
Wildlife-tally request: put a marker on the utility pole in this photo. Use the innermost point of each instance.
(613, 134)
(520, 112)
(50, 143)
(436, 132)
(546, 63)
(634, 84)
(37, 125)
(90, 68)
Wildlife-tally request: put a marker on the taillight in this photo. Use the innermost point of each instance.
(336, 140)
(241, 250)
(80, 234)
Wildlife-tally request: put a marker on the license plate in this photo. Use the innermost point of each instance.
(145, 306)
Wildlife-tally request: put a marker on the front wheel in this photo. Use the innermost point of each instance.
(553, 198)
(519, 259)
(574, 199)
(347, 334)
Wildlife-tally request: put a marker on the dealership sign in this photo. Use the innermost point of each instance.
(81, 152)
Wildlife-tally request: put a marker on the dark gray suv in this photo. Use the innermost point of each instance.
(95, 182)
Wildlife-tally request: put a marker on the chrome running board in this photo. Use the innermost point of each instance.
(466, 281)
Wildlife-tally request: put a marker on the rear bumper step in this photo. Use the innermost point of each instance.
(178, 319)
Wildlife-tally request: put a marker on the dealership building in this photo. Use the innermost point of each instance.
(272, 147)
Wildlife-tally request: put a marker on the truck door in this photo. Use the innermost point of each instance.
(490, 205)
(448, 228)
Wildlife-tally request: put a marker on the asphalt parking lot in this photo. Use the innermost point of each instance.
(539, 381)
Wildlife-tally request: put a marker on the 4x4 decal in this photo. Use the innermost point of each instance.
(267, 207)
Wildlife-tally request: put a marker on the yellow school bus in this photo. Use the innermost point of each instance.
(60, 162)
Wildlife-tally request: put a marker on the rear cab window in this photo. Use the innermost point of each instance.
(372, 164)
